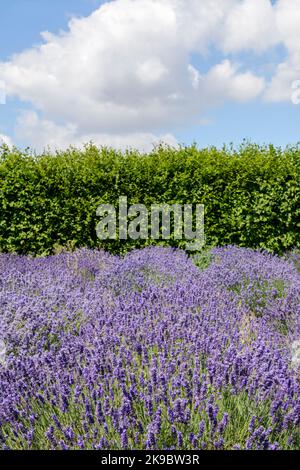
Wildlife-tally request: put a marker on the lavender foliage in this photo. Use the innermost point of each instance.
(149, 352)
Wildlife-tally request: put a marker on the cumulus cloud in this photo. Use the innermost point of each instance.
(251, 25)
(47, 134)
(239, 87)
(123, 75)
(287, 13)
(4, 139)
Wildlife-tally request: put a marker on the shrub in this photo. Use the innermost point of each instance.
(251, 195)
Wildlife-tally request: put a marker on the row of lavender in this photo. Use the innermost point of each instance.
(150, 351)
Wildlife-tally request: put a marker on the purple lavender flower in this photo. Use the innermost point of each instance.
(148, 349)
(151, 440)
(201, 429)
(124, 439)
(179, 439)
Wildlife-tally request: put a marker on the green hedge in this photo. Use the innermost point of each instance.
(251, 195)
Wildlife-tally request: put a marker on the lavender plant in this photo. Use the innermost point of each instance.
(149, 352)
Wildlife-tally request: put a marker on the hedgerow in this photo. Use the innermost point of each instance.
(251, 194)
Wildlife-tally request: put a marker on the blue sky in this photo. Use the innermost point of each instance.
(21, 24)
(220, 119)
(23, 20)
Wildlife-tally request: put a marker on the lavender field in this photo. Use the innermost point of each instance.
(152, 351)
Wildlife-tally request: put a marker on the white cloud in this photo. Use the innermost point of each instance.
(47, 134)
(287, 22)
(250, 25)
(228, 83)
(2, 92)
(123, 74)
(4, 139)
